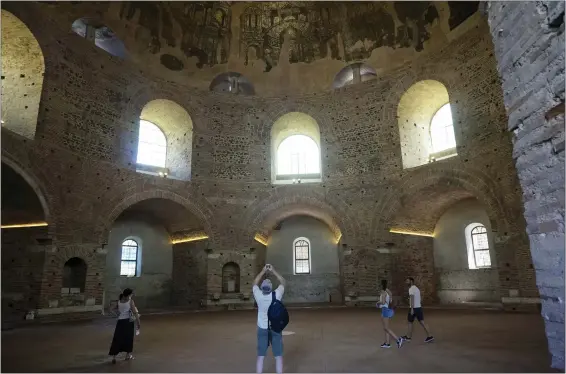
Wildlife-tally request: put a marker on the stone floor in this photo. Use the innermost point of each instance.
(321, 340)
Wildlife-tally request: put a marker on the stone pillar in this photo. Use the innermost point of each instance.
(528, 38)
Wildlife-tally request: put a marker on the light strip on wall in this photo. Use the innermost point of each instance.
(186, 240)
(260, 239)
(416, 233)
(338, 238)
(22, 225)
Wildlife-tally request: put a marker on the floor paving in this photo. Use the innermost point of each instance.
(316, 340)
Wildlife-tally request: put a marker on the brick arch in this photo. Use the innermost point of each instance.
(38, 187)
(146, 93)
(265, 214)
(407, 80)
(203, 213)
(476, 183)
(282, 107)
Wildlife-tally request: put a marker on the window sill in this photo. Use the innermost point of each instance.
(152, 170)
(297, 179)
(442, 155)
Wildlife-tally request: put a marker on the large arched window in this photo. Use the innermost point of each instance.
(302, 256)
(442, 130)
(129, 258)
(165, 140)
(295, 142)
(152, 145)
(230, 278)
(298, 155)
(477, 242)
(23, 67)
(74, 276)
(426, 128)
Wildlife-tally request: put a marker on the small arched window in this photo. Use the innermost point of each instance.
(74, 276)
(231, 278)
(129, 258)
(298, 155)
(302, 256)
(152, 145)
(442, 130)
(232, 82)
(353, 74)
(101, 35)
(478, 246)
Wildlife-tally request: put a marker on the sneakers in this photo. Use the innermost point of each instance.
(385, 345)
(429, 339)
(406, 338)
(400, 342)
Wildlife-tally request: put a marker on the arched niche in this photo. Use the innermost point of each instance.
(177, 127)
(101, 35)
(304, 133)
(23, 67)
(304, 250)
(74, 276)
(420, 109)
(231, 278)
(232, 82)
(460, 279)
(354, 74)
(142, 253)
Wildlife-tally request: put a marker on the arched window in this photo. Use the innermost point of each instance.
(298, 155)
(231, 278)
(354, 74)
(74, 276)
(129, 258)
(295, 152)
(22, 76)
(302, 256)
(442, 130)
(426, 128)
(165, 140)
(477, 242)
(232, 82)
(102, 36)
(152, 145)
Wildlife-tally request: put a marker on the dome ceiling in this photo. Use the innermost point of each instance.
(256, 37)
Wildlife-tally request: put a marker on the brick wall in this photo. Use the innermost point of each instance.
(529, 46)
(190, 274)
(83, 156)
(23, 260)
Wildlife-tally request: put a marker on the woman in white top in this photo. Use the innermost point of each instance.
(123, 340)
(385, 303)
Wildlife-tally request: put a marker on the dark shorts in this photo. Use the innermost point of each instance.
(267, 337)
(418, 315)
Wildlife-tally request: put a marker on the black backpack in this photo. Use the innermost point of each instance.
(277, 315)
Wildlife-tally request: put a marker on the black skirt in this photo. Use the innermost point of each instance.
(123, 340)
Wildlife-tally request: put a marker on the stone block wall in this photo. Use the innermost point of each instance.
(531, 64)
